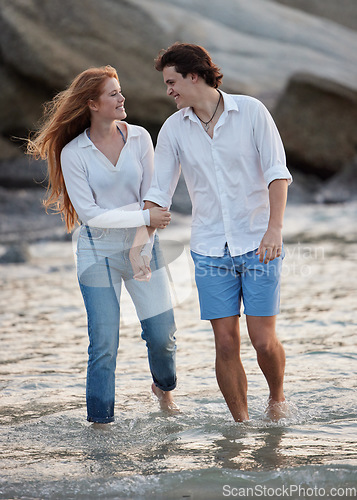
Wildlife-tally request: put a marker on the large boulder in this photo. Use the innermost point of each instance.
(23, 172)
(342, 11)
(341, 187)
(258, 44)
(317, 120)
(45, 44)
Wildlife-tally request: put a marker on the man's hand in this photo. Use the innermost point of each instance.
(159, 217)
(272, 242)
(271, 245)
(140, 265)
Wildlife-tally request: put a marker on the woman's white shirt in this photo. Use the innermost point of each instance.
(106, 195)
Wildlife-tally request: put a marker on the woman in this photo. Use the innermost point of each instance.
(99, 169)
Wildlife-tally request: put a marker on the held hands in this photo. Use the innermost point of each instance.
(271, 245)
(140, 265)
(159, 217)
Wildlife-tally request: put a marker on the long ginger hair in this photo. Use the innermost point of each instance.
(65, 117)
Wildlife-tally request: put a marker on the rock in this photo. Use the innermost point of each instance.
(21, 202)
(341, 188)
(304, 188)
(16, 254)
(22, 172)
(9, 151)
(343, 12)
(24, 219)
(317, 120)
(21, 104)
(44, 45)
(258, 44)
(181, 201)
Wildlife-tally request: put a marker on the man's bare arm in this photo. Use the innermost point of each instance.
(157, 221)
(150, 204)
(271, 245)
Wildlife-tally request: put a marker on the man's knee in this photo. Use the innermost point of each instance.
(227, 341)
(262, 334)
(266, 345)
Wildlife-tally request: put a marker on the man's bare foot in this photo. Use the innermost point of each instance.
(165, 399)
(277, 410)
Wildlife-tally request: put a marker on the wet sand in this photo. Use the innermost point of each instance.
(48, 449)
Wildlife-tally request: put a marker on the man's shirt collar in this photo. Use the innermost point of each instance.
(229, 105)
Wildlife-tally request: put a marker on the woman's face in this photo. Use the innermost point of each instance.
(110, 104)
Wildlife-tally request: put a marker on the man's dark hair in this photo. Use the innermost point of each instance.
(188, 58)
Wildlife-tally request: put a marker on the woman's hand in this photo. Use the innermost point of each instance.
(140, 265)
(159, 217)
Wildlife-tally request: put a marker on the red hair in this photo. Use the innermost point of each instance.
(65, 117)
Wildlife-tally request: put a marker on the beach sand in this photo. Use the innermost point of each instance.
(49, 450)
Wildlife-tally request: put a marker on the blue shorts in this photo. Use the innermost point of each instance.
(222, 283)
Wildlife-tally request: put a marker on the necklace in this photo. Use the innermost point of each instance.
(121, 133)
(206, 124)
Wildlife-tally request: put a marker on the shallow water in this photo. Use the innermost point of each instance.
(49, 451)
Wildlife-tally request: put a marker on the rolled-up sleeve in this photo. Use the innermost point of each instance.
(166, 169)
(270, 146)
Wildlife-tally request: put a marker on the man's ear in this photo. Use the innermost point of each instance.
(194, 77)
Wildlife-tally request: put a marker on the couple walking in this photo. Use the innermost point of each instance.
(102, 175)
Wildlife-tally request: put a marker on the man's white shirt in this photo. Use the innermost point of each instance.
(227, 176)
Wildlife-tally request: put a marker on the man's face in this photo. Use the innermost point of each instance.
(179, 88)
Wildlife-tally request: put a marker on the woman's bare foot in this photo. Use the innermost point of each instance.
(165, 400)
(98, 425)
(277, 410)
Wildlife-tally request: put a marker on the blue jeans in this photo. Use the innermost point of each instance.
(103, 265)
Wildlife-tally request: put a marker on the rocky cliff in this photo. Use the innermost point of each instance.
(259, 45)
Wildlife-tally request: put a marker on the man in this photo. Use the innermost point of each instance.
(233, 162)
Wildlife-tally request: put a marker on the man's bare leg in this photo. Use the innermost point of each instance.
(166, 400)
(230, 373)
(271, 360)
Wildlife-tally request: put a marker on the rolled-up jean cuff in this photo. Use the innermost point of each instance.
(166, 389)
(106, 420)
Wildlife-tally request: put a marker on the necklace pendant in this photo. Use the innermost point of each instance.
(206, 124)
